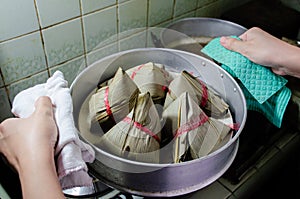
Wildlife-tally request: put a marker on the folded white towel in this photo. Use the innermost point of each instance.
(72, 153)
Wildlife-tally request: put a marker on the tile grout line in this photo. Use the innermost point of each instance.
(19, 36)
(173, 10)
(42, 38)
(83, 34)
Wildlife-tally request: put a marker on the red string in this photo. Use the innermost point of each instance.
(164, 88)
(108, 109)
(141, 127)
(191, 125)
(204, 98)
(136, 70)
(234, 126)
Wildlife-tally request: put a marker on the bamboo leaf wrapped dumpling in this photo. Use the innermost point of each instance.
(112, 102)
(152, 78)
(215, 135)
(194, 133)
(137, 136)
(205, 97)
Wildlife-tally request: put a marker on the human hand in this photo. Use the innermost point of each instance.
(27, 139)
(265, 49)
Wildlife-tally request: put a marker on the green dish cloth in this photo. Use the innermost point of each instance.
(261, 82)
(264, 91)
(274, 108)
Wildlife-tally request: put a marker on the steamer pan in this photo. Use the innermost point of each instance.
(192, 34)
(160, 180)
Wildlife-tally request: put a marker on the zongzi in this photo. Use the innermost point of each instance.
(112, 103)
(206, 98)
(194, 133)
(152, 78)
(137, 136)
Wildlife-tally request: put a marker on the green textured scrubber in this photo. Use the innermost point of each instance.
(260, 81)
(274, 108)
(271, 103)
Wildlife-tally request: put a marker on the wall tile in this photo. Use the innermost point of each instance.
(5, 106)
(186, 15)
(204, 2)
(132, 15)
(17, 18)
(21, 57)
(55, 11)
(99, 32)
(102, 52)
(63, 42)
(211, 10)
(17, 87)
(159, 12)
(92, 5)
(70, 69)
(122, 1)
(164, 24)
(184, 6)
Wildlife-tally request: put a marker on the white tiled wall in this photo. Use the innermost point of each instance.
(97, 30)
(55, 11)
(38, 37)
(17, 18)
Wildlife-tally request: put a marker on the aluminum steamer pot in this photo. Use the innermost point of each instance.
(191, 34)
(160, 180)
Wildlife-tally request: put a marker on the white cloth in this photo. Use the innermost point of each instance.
(72, 153)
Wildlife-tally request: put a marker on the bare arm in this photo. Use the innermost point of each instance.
(265, 49)
(28, 144)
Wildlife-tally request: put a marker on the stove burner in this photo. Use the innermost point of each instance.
(122, 196)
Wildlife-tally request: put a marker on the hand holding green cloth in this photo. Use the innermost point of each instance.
(264, 91)
(261, 82)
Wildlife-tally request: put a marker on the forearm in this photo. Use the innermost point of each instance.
(289, 60)
(28, 144)
(38, 177)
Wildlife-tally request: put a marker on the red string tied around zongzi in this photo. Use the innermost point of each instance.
(142, 128)
(191, 125)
